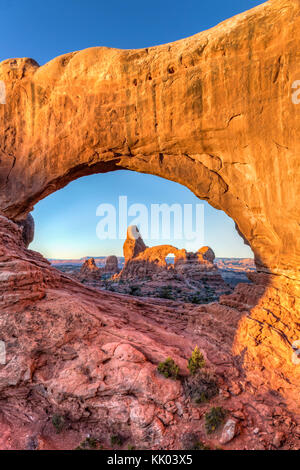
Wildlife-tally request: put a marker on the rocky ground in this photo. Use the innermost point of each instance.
(81, 363)
(170, 287)
(148, 272)
(230, 274)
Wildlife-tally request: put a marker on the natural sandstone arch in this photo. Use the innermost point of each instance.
(160, 252)
(212, 112)
(170, 258)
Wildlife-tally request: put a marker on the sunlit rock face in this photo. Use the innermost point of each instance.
(89, 271)
(190, 273)
(89, 268)
(134, 244)
(206, 253)
(213, 112)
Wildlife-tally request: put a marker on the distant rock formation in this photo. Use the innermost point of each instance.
(91, 358)
(89, 270)
(192, 273)
(134, 243)
(111, 265)
(206, 253)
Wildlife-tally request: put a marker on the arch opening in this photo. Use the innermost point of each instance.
(170, 259)
(82, 236)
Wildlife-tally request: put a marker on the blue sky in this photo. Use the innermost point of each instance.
(66, 221)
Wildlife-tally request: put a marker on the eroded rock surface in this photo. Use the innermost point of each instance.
(215, 113)
(91, 358)
(28, 229)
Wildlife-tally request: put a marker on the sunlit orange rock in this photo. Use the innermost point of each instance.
(152, 264)
(134, 243)
(89, 269)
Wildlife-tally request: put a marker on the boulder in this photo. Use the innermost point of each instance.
(229, 431)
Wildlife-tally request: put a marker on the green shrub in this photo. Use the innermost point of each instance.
(58, 422)
(196, 361)
(166, 293)
(105, 276)
(116, 440)
(214, 418)
(190, 441)
(90, 443)
(135, 290)
(168, 368)
(130, 447)
(202, 386)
